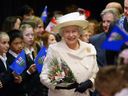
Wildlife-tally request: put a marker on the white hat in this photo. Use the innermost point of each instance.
(74, 18)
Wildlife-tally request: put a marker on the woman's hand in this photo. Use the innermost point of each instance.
(82, 87)
(71, 86)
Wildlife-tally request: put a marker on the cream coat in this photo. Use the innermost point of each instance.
(82, 62)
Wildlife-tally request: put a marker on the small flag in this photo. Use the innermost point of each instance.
(19, 64)
(116, 39)
(44, 14)
(51, 25)
(40, 58)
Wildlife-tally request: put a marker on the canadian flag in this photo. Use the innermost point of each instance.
(51, 25)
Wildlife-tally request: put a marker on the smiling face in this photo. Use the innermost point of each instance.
(107, 19)
(71, 35)
(4, 43)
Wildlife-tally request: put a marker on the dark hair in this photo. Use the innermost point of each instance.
(44, 38)
(58, 37)
(9, 23)
(25, 10)
(13, 34)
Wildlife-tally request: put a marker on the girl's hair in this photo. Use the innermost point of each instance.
(24, 26)
(9, 23)
(45, 37)
(3, 33)
(13, 34)
(26, 10)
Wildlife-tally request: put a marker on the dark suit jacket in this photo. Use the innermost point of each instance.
(19, 88)
(104, 57)
(33, 85)
(7, 80)
(10, 58)
(97, 41)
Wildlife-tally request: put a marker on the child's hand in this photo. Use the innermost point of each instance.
(32, 68)
(17, 78)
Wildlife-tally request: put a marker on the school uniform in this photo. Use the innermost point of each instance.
(6, 78)
(19, 88)
(11, 56)
(33, 85)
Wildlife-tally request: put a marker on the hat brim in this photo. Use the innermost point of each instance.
(81, 23)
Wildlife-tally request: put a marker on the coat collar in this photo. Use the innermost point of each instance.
(13, 53)
(85, 49)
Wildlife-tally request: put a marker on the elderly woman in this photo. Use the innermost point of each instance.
(70, 66)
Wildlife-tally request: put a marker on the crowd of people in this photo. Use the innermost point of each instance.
(75, 64)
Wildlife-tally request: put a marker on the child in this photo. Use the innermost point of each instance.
(38, 27)
(16, 46)
(6, 77)
(35, 88)
(48, 38)
(87, 33)
(10, 23)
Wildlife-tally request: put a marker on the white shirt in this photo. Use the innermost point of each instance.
(13, 53)
(4, 58)
(29, 52)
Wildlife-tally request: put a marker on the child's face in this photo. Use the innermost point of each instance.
(85, 37)
(39, 30)
(17, 45)
(51, 39)
(28, 36)
(4, 44)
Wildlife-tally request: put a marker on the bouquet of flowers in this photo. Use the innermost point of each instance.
(60, 74)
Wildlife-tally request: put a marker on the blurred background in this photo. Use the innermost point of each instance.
(11, 7)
